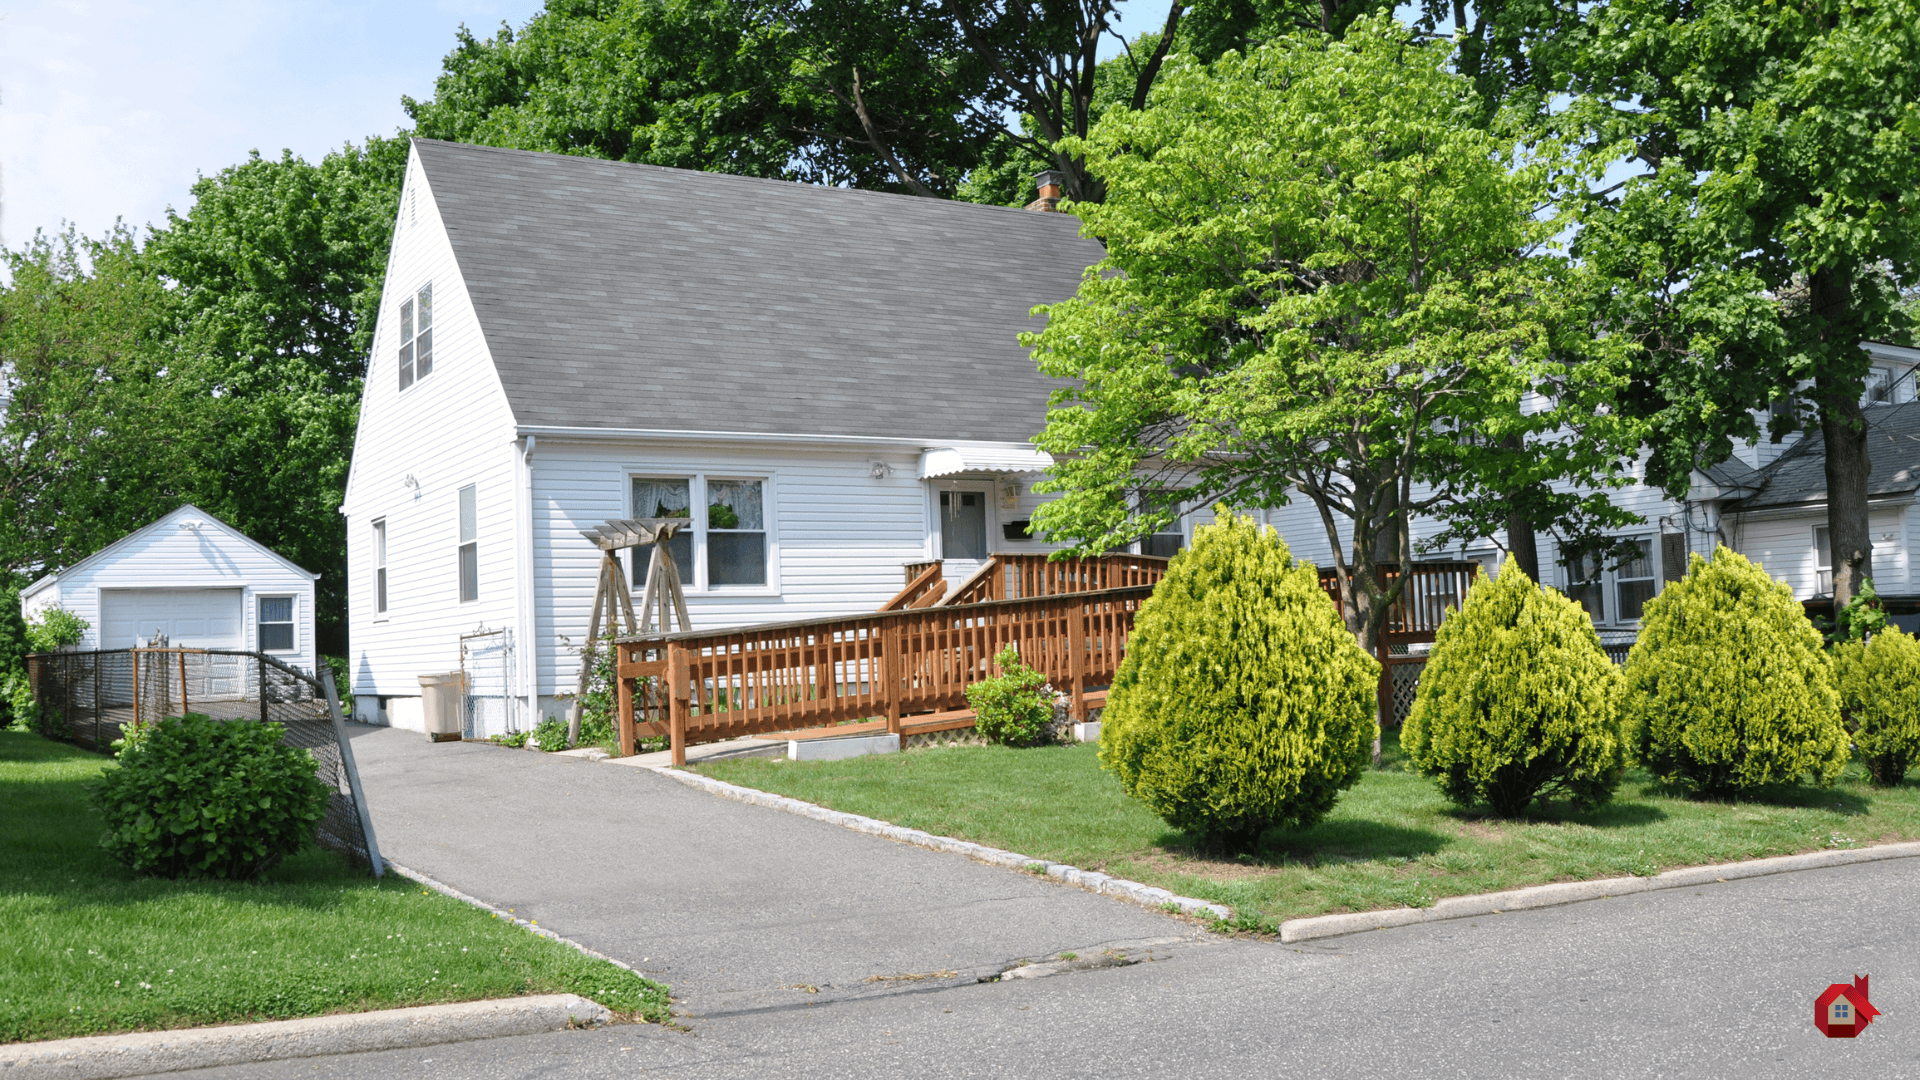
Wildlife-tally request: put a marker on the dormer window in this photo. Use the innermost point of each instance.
(416, 336)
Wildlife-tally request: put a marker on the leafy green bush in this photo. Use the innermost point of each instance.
(195, 797)
(55, 628)
(515, 739)
(1243, 702)
(1728, 687)
(550, 734)
(1518, 701)
(1879, 682)
(1015, 707)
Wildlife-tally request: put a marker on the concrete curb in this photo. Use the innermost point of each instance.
(1093, 882)
(1572, 892)
(105, 1057)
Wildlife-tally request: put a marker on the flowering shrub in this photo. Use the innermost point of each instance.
(194, 797)
(1014, 708)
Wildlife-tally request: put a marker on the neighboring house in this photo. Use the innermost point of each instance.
(827, 383)
(1767, 502)
(192, 577)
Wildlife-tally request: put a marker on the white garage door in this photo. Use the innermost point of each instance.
(194, 618)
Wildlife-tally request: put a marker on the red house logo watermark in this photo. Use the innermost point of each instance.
(1843, 1011)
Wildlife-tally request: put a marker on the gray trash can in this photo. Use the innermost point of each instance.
(440, 704)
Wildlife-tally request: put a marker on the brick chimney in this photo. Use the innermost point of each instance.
(1048, 184)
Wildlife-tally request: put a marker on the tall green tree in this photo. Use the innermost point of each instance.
(1772, 223)
(1321, 283)
(96, 434)
(912, 97)
(275, 275)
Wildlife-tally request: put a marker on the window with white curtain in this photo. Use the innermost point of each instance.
(727, 539)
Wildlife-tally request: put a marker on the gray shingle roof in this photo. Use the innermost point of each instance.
(631, 296)
(1799, 476)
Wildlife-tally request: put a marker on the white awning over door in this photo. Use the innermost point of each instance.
(982, 458)
(193, 618)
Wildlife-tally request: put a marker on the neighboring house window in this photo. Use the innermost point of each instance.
(1673, 557)
(380, 567)
(469, 545)
(1633, 583)
(1879, 387)
(736, 533)
(1583, 585)
(1823, 555)
(416, 336)
(670, 497)
(1163, 544)
(276, 624)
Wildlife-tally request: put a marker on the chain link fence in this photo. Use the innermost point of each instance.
(90, 697)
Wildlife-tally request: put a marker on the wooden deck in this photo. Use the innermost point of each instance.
(905, 668)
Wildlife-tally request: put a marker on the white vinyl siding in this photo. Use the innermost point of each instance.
(412, 454)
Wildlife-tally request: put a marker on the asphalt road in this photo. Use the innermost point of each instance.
(1716, 981)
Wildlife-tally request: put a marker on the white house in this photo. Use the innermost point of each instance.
(828, 383)
(192, 577)
(1767, 502)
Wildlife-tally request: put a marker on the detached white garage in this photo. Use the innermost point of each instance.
(195, 579)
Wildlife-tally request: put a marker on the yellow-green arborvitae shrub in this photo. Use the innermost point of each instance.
(1518, 701)
(1728, 687)
(1879, 684)
(1243, 702)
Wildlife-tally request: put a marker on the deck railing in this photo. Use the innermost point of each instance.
(703, 686)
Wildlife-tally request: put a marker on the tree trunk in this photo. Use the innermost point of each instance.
(1523, 545)
(1843, 428)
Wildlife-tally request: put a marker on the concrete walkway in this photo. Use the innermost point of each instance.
(736, 907)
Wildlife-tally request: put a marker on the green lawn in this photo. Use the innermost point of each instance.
(1392, 840)
(86, 947)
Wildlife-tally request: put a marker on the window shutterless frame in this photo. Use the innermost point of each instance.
(469, 544)
(380, 567)
(729, 546)
(416, 336)
(275, 626)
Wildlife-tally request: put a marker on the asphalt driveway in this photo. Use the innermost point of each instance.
(738, 908)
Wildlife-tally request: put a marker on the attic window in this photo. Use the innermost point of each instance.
(416, 336)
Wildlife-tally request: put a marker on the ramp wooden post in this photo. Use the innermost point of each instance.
(1077, 661)
(893, 670)
(677, 703)
(626, 700)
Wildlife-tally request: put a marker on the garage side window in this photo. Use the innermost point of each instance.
(380, 567)
(469, 545)
(276, 624)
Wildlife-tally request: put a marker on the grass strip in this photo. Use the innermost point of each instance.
(89, 948)
(1391, 841)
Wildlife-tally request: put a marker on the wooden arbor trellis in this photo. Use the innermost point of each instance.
(662, 603)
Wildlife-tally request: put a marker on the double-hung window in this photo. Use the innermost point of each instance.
(469, 545)
(276, 624)
(1823, 554)
(736, 533)
(1634, 583)
(1584, 587)
(725, 542)
(416, 336)
(380, 567)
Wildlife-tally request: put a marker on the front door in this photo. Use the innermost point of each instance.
(965, 520)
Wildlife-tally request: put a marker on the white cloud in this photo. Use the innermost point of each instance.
(112, 108)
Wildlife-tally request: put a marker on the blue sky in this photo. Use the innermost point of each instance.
(112, 108)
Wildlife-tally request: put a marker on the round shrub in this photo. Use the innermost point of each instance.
(1879, 683)
(1243, 702)
(1728, 687)
(194, 797)
(1518, 701)
(1014, 708)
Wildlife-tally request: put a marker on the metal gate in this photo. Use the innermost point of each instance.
(490, 706)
